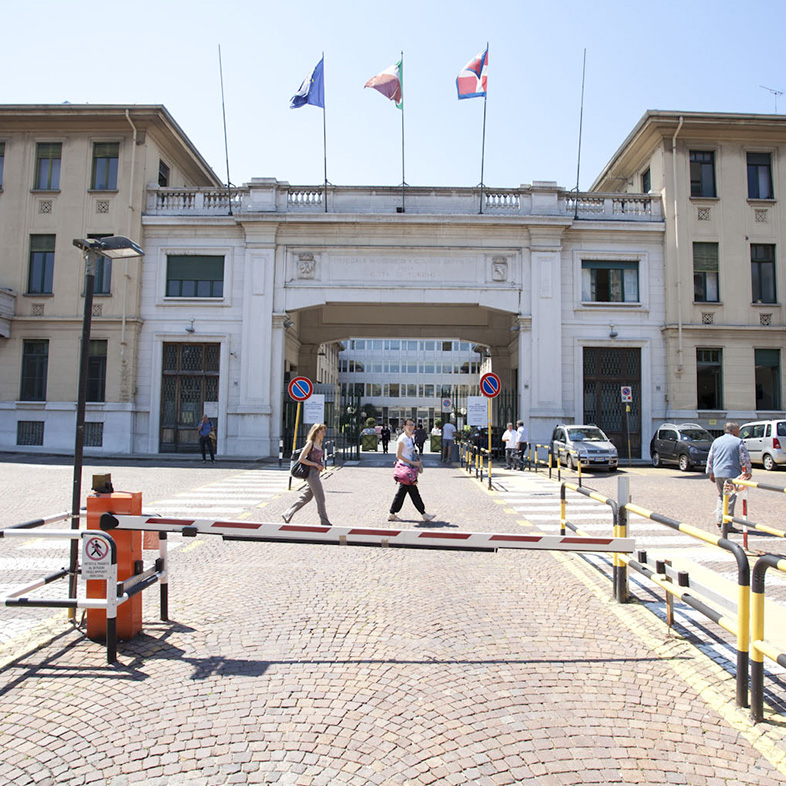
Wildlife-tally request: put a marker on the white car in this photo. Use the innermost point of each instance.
(766, 442)
(593, 447)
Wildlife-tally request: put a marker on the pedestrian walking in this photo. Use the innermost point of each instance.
(205, 429)
(448, 434)
(521, 443)
(406, 452)
(420, 438)
(728, 460)
(509, 441)
(311, 456)
(384, 437)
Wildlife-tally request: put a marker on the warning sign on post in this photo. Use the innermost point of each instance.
(627, 393)
(96, 558)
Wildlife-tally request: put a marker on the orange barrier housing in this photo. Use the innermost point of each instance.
(129, 551)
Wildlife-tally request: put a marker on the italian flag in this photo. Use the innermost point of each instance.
(390, 83)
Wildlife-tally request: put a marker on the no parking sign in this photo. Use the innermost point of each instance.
(626, 391)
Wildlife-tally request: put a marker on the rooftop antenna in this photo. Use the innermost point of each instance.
(775, 93)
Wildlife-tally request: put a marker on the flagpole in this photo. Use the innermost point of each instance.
(403, 176)
(226, 144)
(324, 134)
(581, 123)
(483, 145)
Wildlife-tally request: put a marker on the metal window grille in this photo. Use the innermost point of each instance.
(94, 435)
(30, 432)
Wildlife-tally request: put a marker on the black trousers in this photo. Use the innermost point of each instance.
(206, 442)
(414, 495)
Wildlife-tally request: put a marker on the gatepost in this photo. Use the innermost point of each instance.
(129, 551)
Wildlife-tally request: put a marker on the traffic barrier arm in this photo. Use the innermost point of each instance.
(759, 647)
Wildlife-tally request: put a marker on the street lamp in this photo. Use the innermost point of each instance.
(92, 248)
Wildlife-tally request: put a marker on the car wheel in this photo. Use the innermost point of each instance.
(768, 462)
(612, 469)
(684, 463)
(569, 463)
(656, 462)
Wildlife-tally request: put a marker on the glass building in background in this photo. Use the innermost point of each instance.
(417, 378)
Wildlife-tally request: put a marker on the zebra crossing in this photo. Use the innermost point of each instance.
(537, 500)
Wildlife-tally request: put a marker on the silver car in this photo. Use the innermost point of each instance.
(592, 447)
(766, 442)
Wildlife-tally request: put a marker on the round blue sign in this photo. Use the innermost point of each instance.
(490, 385)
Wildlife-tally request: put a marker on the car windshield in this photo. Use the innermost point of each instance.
(695, 435)
(586, 434)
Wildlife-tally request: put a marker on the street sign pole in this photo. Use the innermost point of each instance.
(489, 442)
(300, 389)
(490, 387)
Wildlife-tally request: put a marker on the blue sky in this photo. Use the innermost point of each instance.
(689, 55)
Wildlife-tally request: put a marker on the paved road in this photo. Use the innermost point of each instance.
(311, 665)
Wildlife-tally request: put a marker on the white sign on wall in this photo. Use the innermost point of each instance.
(314, 408)
(96, 558)
(477, 411)
(210, 409)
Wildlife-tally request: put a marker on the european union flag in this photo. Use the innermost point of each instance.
(312, 91)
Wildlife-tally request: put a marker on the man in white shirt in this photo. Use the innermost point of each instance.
(521, 442)
(509, 441)
(448, 433)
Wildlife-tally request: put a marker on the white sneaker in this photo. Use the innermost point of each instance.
(393, 517)
(428, 517)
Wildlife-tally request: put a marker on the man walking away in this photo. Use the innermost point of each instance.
(521, 443)
(448, 433)
(728, 459)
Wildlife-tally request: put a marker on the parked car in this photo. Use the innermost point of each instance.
(766, 442)
(687, 445)
(593, 447)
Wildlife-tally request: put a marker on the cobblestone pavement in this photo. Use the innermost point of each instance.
(312, 665)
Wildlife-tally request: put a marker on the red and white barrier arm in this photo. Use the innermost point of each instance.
(366, 536)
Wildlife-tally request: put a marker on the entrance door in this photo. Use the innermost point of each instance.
(606, 370)
(189, 379)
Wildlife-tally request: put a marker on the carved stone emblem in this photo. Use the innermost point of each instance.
(499, 269)
(306, 266)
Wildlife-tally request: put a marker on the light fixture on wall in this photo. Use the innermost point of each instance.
(612, 332)
(288, 323)
(190, 328)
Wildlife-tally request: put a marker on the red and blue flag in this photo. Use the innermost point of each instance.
(471, 81)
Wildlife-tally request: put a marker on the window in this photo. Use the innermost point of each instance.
(105, 155)
(609, 282)
(702, 173)
(195, 276)
(163, 174)
(709, 378)
(705, 272)
(35, 359)
(768, 378)
(646, 181)
(759, 176)
(94, 435)
(763, 272)
(2, 162)
(30, 432)
(47, 168)
(42, 265)
(96, 370)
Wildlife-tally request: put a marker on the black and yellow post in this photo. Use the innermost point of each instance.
(294, 440)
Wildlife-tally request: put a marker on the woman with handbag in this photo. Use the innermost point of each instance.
(311, 456)
(408, 466)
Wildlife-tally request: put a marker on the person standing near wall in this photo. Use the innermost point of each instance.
(509, 441)
(728, 459)
(205, 429)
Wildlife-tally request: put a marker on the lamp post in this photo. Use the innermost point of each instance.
(111, 248)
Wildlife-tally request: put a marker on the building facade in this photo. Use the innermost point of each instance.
(564, 291)
(719, 177)
(69, 172)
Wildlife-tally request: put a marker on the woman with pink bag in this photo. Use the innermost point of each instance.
(408, 466)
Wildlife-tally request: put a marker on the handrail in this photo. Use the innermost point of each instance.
(759, 647)
(741, 630)
(727, 519)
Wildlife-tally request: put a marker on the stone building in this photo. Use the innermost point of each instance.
(68, 172)
(718, 176)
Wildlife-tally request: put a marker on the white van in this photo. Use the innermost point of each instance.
(766, 442)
